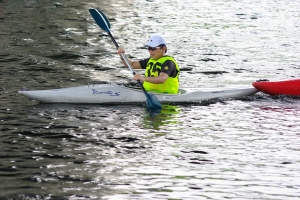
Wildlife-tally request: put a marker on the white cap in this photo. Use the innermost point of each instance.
(155, 41)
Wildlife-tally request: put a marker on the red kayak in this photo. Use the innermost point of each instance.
(286, 87)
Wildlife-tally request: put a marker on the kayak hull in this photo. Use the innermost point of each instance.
(115, 94)
(289, 87)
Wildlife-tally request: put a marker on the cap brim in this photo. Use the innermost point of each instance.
(154, 45)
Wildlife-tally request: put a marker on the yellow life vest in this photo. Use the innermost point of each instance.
(153, 69)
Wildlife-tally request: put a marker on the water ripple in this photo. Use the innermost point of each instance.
(245, 148)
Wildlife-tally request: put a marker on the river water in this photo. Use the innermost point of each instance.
(244, 148)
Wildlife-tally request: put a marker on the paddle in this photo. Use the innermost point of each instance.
(152, 102)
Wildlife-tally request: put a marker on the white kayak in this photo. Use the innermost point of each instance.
(116, 94)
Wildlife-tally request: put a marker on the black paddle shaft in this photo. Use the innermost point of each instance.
(113, 39)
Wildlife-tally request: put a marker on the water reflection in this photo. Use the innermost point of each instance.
(166, 116)
(279, 103)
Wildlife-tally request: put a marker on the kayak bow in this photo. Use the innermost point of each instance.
(282, 87)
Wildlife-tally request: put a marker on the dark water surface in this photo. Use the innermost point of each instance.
(245, 148)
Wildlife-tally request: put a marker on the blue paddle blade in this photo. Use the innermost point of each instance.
(152, 102)
(100, 19)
